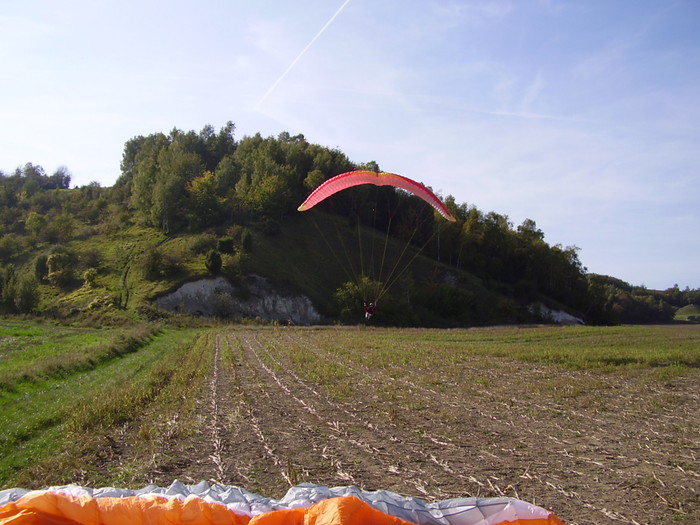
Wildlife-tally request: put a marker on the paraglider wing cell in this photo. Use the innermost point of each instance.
(356, 178)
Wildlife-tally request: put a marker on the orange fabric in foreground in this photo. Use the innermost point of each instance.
(52, 508)
(334, 511)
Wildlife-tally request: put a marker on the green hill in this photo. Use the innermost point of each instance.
(192, 205)
(313, 254)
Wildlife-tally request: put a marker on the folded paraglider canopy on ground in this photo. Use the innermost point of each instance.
(207, 504)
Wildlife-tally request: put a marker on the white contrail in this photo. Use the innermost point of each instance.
(267, 94)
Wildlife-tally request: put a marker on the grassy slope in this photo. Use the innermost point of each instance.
(118, 277)
(689, 310)
(297, 256)
(311, 253)
(120, 286)
(316, 253)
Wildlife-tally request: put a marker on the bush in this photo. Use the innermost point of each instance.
(246, 239)
(10, 246)
(224, 305)
(91, 259)
(213, 261)
(203, 243)
(8, 286)
(90, 277)
(225, 245)
(27, 295)
(151, 263)
(157, 265)
(60, 267)
(41, 267)
(349, 298)
(236, 265)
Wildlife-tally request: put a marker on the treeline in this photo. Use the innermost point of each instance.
(191, 181)
(629, 304)
(194, 180)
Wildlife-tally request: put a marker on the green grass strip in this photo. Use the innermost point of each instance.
(34, 421)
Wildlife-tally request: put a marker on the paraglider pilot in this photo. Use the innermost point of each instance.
(369, 310)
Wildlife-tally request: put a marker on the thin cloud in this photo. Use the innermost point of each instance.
(532, 93)
(303, 51)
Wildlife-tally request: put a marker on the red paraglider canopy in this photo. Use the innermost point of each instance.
(356, 178)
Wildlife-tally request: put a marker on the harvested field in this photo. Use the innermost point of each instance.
(430, 416)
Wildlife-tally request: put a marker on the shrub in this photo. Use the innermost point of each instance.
(237, 265)
(246, 239)
(8, 286)
(91, 258)
(213, 261)
(90, 277)
(60, 267)
(151, 263)
(225, 245)
(41, 267)
(157, 264)
(203, 243)
(27, 295)
(348, 299)
(9, 247)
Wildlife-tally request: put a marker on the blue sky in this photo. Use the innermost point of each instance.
(581, 115)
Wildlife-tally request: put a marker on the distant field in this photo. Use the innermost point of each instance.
(598, 424)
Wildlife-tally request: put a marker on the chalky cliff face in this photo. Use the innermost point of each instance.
(253, 297)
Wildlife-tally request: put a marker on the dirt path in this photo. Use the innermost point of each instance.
(593, 448)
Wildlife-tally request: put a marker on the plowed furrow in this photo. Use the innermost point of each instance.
(522, 443)
(289, 437)
(419, 469)
(355, 447)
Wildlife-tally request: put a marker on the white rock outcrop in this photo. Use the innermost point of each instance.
(556, 316)
(252, 297)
